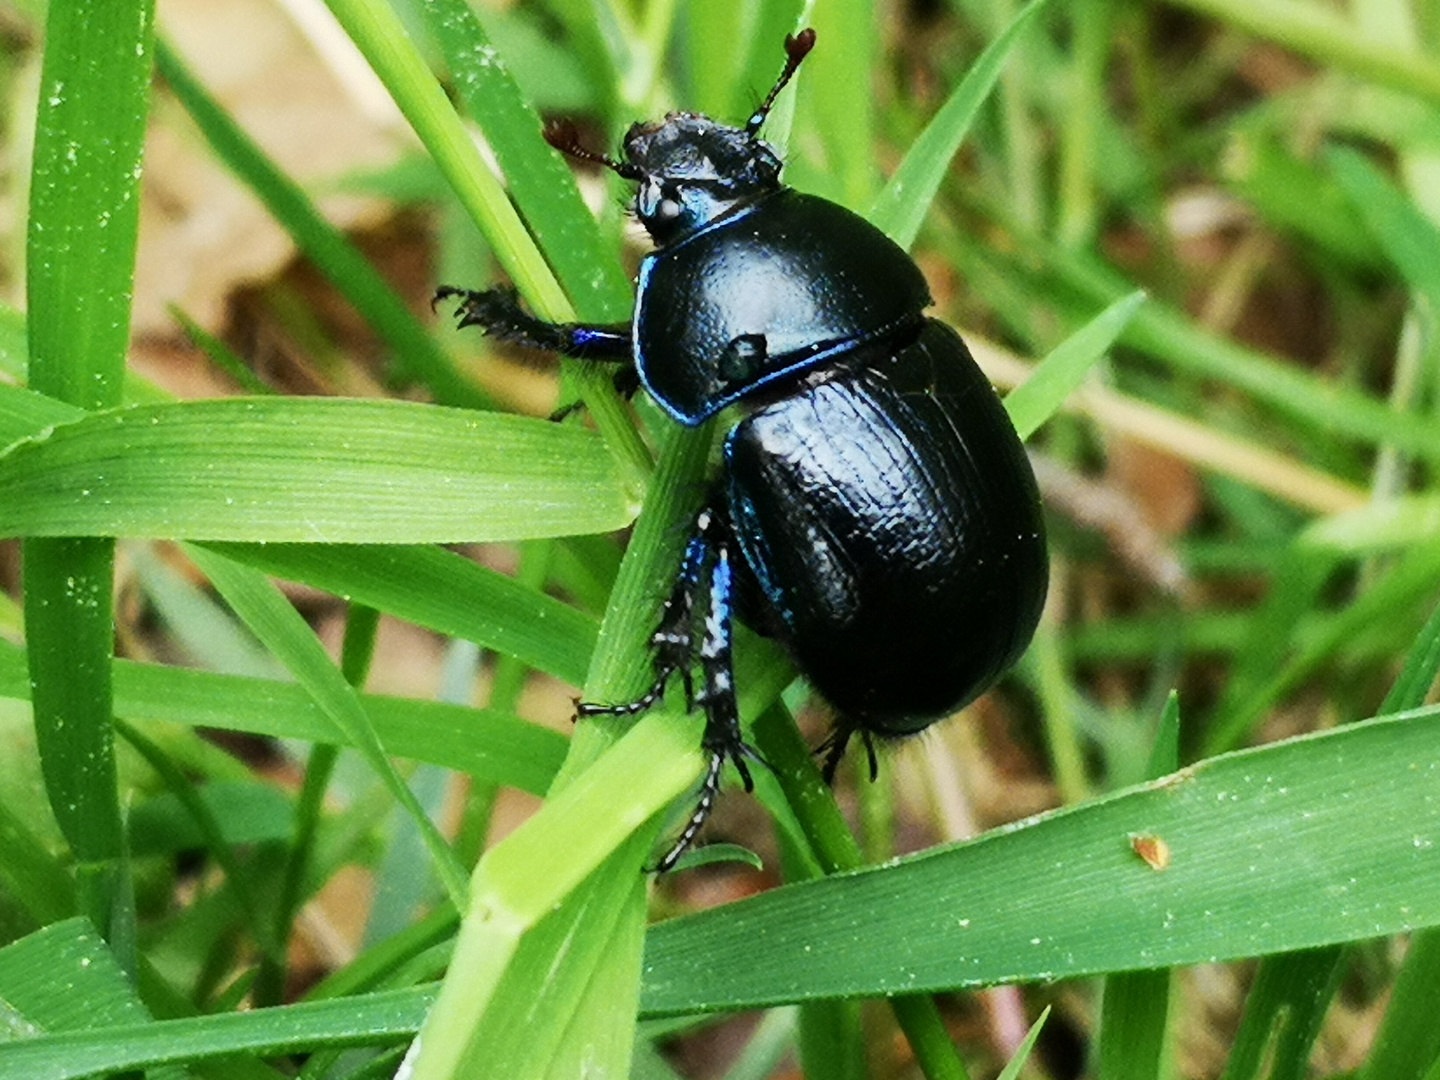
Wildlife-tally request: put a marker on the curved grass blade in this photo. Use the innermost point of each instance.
(1040, 396)
(492, 746)
(1255, 837)
(538, 181)
(279, 626)
(905, 200)
(331, 251)
(311, 469)
(440, 590)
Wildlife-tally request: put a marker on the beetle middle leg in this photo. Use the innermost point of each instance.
(672, 645)
(679, 644)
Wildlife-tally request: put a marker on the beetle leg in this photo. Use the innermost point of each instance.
(497, 312)
(673, 643)
(707, 556)
(709, 789)
(722, 739)
(833, 747)
(717, 692)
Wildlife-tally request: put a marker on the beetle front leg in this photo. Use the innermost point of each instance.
(497, 312)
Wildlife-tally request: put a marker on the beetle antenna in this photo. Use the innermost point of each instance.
(561, 134)
(797, 47)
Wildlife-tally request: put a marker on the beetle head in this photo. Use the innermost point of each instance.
(691, 169)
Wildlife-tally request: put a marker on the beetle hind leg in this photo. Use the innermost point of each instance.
(833, 747)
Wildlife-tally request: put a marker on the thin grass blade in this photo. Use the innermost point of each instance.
(905, 200)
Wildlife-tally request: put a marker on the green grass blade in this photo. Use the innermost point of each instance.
(716, 78)
(1408, 237)
(1407, 1045)
(378, 32)
(537, 179)
(838, 105)
(337, 258)
(497, 748)
(1392, 594)
(492, 746)
(280, 627)
(1422, 667)
(84, 215)
(30, 874)
(311, 469)
(209, 833)
(1022, 1053)
(15, 362)
(96, 993)
(1283, 1012)
(1327, 36)
(567, 846)
(206, 632)
(375, 1019)
(905, 200)
(440, 590)
(84, 198)
(1040, 396)
(375, 29)
(590, 938)
(1254, 837)
(23, 413)
(569, 997)
(1135, 1006)
(221, 355)
(1135, 1014)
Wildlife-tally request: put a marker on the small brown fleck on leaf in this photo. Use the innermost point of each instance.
(1152, 849)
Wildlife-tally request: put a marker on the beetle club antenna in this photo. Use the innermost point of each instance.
(561, 134)
(797, 47)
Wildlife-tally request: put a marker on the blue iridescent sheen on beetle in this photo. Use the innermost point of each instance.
(874, 491)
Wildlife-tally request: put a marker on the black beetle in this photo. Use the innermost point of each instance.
(874, 490)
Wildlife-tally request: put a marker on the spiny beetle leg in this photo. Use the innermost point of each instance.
(497, 312)
(722, 739)
(672, 645)
(833, 747)
(627, 385)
